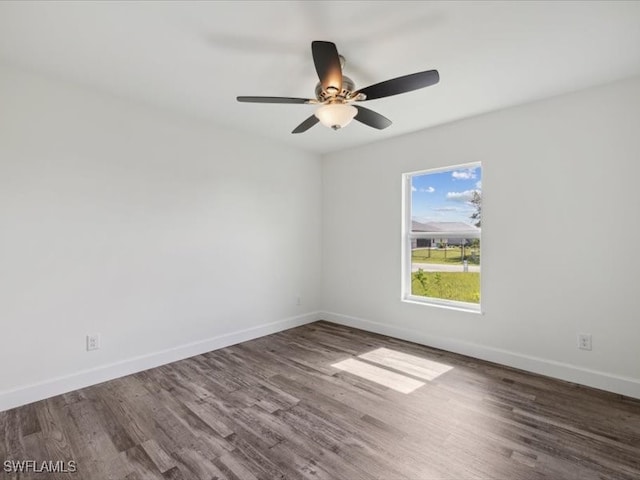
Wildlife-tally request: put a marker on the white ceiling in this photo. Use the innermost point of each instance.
(196, 57)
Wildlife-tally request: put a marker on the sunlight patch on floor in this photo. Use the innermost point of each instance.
(398, 366)
(410, 364)
(395, 381)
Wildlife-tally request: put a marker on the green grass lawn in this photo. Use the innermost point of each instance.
(451, 255)
(460, 286)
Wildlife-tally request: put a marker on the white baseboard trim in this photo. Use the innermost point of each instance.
(563, 371)
(39, 391)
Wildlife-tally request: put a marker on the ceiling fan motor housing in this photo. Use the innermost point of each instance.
(332, 94)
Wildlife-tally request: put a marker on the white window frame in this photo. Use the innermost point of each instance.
(408, 236)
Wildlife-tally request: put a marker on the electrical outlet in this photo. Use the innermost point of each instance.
(584, 341)
(93, 342)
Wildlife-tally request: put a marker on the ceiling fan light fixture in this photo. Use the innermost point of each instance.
(336, 115)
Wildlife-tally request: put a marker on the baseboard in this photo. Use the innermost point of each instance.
(84, 378)
(563, 371)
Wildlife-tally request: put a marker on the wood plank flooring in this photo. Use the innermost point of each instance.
(323, 402)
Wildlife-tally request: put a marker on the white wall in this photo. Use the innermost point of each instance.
(171, 236)
(168, 236)
(561, 222)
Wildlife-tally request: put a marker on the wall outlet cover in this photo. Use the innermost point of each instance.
(93, 342)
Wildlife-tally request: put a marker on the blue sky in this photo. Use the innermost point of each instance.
(444, 196)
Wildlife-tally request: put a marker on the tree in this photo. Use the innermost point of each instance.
(476, 201)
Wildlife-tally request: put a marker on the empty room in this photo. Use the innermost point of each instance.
(393, 240)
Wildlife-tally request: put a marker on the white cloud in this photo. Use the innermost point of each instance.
(468, 174)
(413, 189)
(428, 190)
(479, 184)
(465, 196)
(447, 209)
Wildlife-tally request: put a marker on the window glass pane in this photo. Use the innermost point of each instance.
(447, 269)
(444, 234)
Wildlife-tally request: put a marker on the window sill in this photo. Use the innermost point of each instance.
(449, 305)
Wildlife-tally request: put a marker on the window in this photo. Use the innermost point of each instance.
(441, 236)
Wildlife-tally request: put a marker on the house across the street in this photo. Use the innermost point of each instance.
(456, 229)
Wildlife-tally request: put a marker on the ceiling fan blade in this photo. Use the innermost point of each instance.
(273, 100)
(371, 118)
(306, 125)
(327, 62)
(399, 85)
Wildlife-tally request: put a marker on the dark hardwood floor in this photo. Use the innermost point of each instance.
(324, 401)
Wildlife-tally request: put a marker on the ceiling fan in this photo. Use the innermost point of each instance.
(336, 93)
